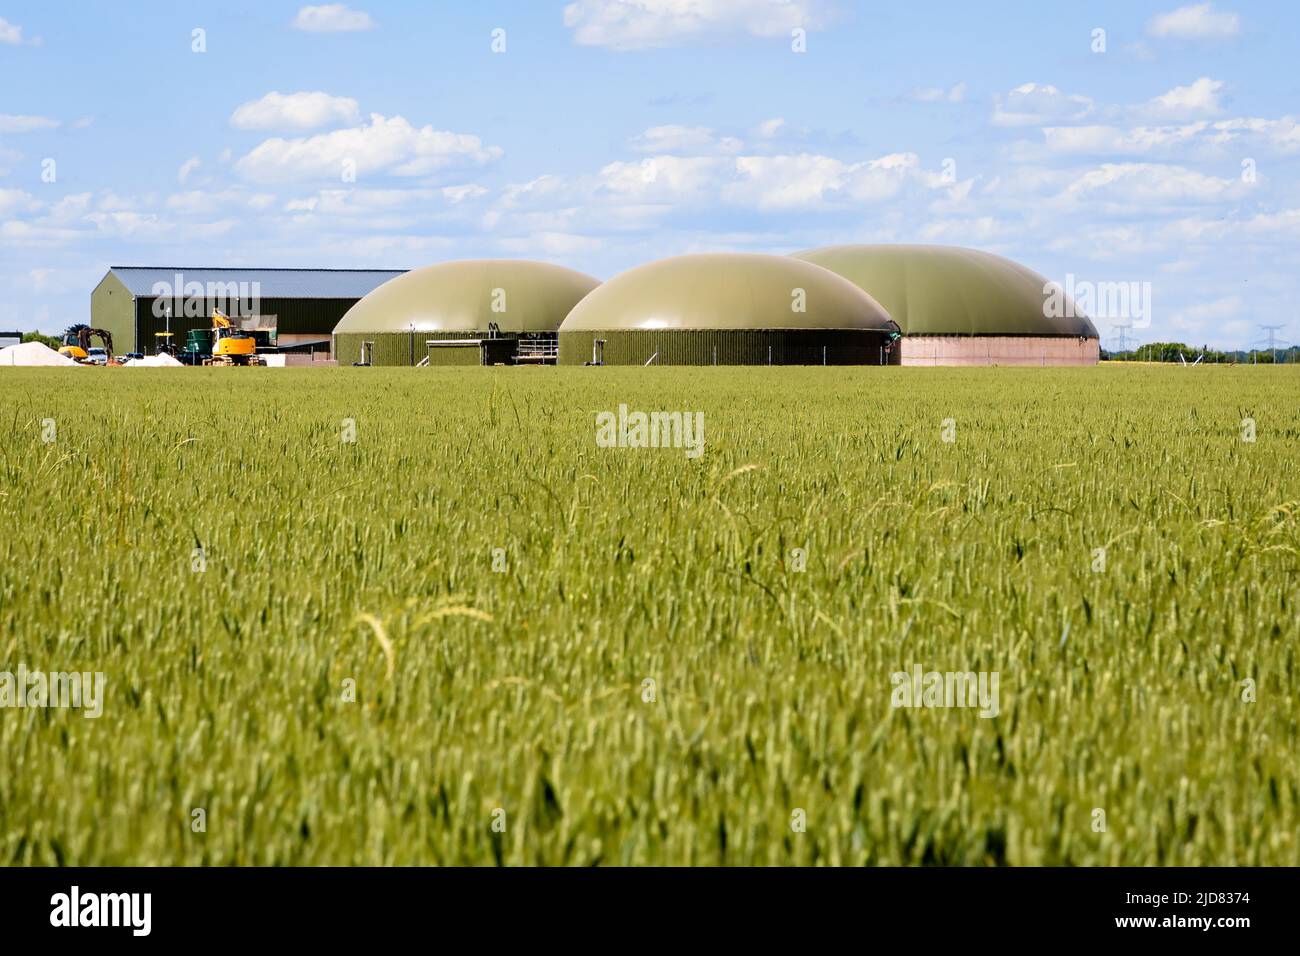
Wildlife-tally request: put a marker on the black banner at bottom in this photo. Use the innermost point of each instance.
(334, 906)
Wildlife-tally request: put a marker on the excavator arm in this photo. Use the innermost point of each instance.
(83, 339)
(106, 337)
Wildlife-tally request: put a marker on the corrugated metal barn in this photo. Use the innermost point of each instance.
(302, 305)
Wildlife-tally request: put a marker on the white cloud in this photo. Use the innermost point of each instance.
(1029, 182)
(197, 202)
(777, 134)
(1282, 134)
(1283, 223)
(1118, 140)
(937, 94)
(1227, 307)
(1200, 98)
(332, 18)
(296, 111)
(556, 245)
(15, 201)
(361, 202)
(26, 124)
(962, 231)
(1201, 139)
(1144, 184)
(71, 207)
(808, 180)
(786, 182)
(683, 139)
(1196, 21)
(384, 146)
(1107, 243)
(459, 194)
(1032, 104)
(110, 201)
(187, 167)
(10, 33)
(1079, 126)
(658, 178)
(639, 24)
(660, 185)
(124, 225)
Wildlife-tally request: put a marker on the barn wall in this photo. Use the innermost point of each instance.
(998, 350)
(111, 310)
(315, 318)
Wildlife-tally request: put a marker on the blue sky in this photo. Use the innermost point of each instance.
(609, 132)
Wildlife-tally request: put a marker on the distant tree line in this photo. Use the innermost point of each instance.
(1179, 352)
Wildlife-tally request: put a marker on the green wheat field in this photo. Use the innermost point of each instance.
(346, 679)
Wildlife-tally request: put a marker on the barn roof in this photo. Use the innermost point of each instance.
(273, 283)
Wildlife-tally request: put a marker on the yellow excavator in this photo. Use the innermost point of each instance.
(231, 346)
(76, 343)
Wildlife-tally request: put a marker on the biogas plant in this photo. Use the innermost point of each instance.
(842, 305)
(838, 305)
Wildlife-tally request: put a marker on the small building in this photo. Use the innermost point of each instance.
(959, 306)
(727, 309)
(10, 338)
(296, 308)
(466, 312)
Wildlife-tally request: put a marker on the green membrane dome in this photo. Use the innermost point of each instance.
(948, 290)
(466, 296)
(726, 292)
(727, 309)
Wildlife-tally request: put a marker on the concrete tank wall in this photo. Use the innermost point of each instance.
(997, 350)
(728, 346)
(405, 348)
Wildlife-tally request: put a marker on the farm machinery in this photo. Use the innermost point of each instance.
(230, 345)
(76, 344)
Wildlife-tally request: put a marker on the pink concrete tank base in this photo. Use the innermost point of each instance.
(997, 350)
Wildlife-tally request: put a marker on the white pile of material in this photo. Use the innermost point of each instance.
(33, 353)
(162, 360)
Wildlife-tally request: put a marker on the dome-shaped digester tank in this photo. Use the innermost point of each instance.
(959, 306)
(727, 309)
(458, 302)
